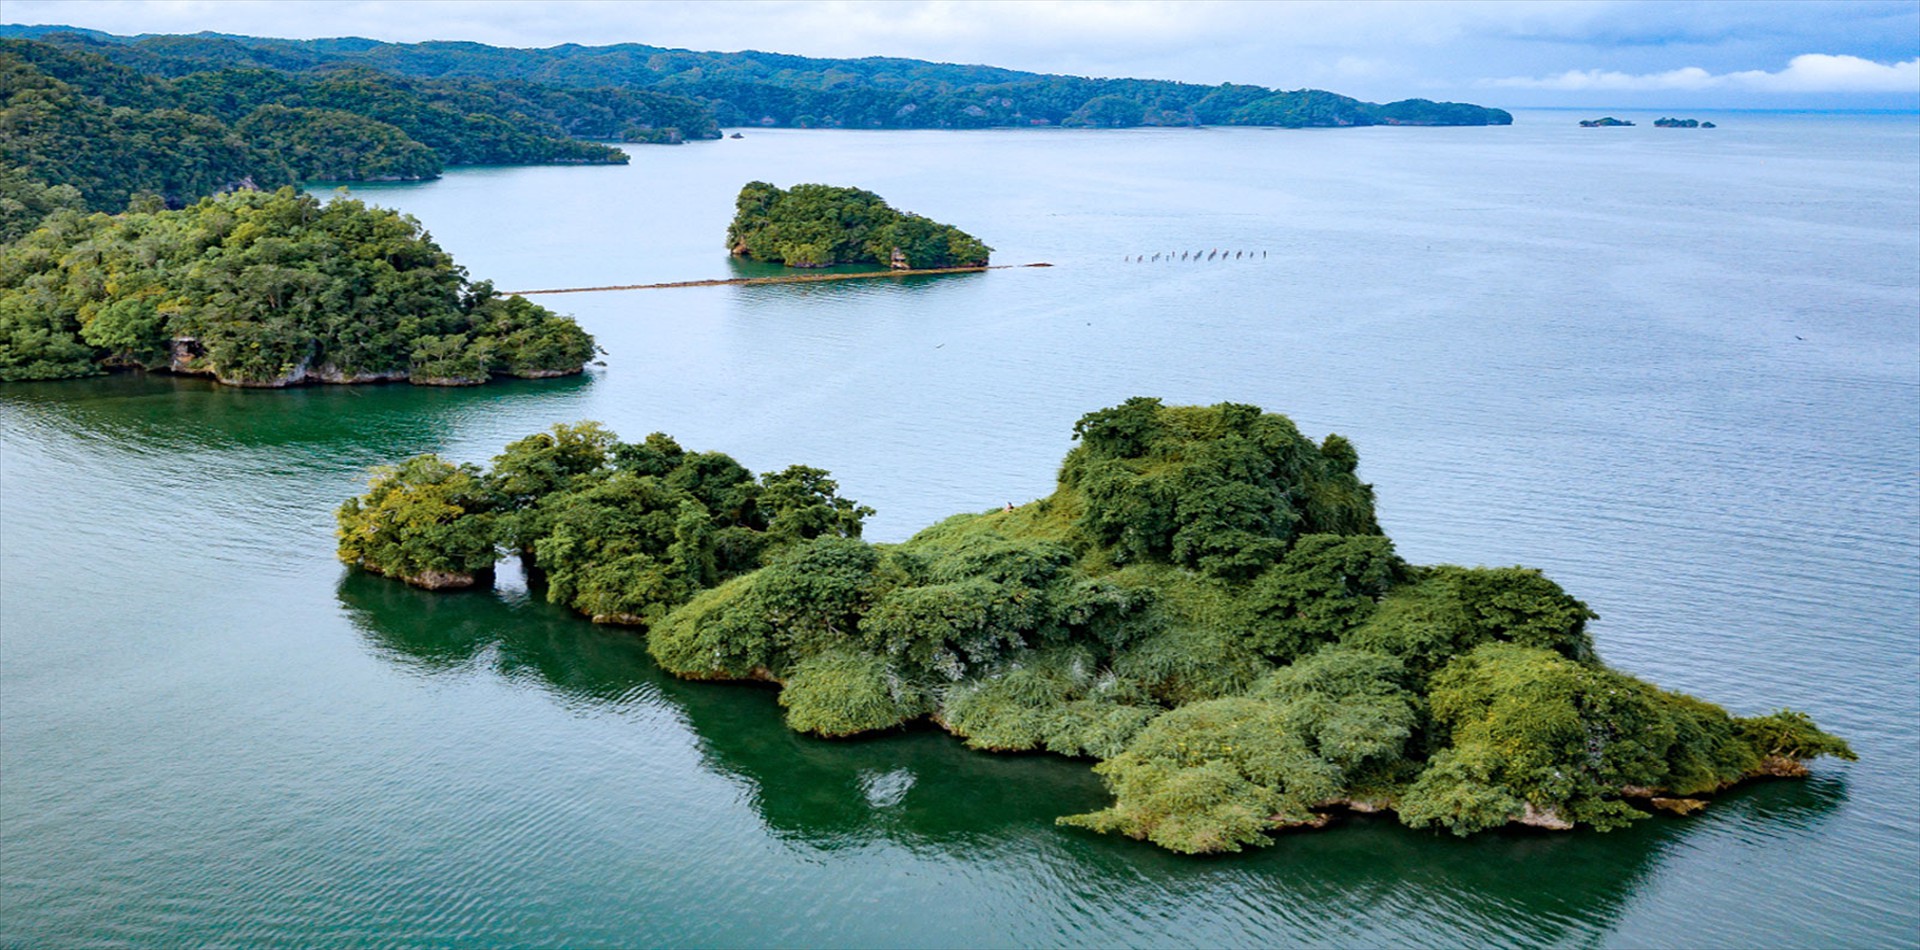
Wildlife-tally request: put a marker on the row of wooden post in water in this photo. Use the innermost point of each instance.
(1195, 256)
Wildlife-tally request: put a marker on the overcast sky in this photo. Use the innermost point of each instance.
(1706, 53)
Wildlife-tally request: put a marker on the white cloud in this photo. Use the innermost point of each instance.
(1808, 72)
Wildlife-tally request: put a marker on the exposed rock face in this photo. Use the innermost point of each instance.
(329, 373)
(442, 580)
(1679, 806)
(1779, 766)
(1536, 817)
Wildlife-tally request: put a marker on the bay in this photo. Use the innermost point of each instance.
(1679, 370)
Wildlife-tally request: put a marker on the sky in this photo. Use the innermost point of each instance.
(1790, 54)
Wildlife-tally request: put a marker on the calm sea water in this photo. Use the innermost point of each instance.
(1679, 370)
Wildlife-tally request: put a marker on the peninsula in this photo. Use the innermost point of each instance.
(1205, 604)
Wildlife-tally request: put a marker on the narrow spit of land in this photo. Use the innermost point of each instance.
(783, 279)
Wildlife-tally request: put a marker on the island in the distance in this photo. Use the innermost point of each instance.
(1606, 123)
(822, 225)
(1206, 604)
(264, 289)
(1667, 123)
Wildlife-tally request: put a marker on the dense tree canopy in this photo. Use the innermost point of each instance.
(775, 89)
(263, 289)
(1206, 604)
(78, 119)
(622, 532)
(818, 225)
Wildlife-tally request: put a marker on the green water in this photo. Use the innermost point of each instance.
(1680, 372)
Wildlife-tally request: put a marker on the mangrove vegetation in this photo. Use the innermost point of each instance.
(1205, 604)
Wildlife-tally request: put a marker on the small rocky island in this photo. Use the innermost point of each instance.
(264, 289)
(1666, 123)
(1205, 604)
(822, 225)
(1606, 123)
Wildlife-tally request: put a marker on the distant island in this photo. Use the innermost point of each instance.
(821, 225)
(755, 88)
(1607, 123)
(266, 289)
(1665, 123)
(1205, 604)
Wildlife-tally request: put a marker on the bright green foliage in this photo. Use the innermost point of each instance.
(1351, 706)
(818, 225)
(1792, 735)
(1301, 737)
(1567, 737)
(1223, 489)
(1212, 776)
(1056, 699)
(842, 693)
(264, 289)
(1205, 603)
(424, 516)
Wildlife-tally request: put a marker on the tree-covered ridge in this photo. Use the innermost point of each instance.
(820, 225)
(1205, 604)
(79, 119)
(774, 89)
(263, 289)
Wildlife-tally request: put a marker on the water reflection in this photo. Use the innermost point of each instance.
(923, 791)
(917, 787)
(839, 290)
(157, 411)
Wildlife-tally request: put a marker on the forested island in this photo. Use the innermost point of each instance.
(1608, 122)
(821, 225)
(1206, 604)
(1671, 123)
(773, 89)
(261, 289)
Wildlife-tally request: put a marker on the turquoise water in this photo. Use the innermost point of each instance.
(1679, 370)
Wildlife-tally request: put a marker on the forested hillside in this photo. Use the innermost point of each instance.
(773, 89)
(71, 118)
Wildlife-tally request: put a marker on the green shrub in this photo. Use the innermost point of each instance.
(1058, 700)
(1792, 735)
(1212, 776)
(1326, 585)
(424, 515)
(843, 693)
